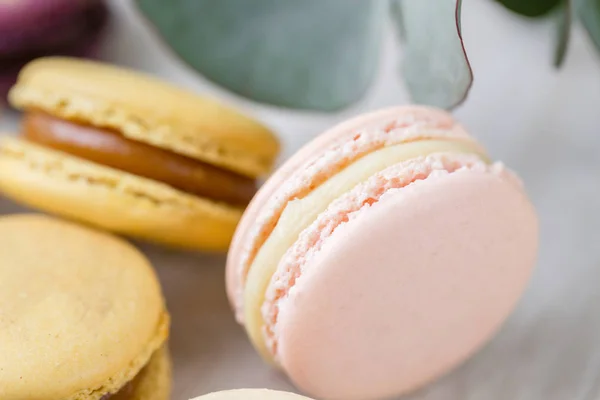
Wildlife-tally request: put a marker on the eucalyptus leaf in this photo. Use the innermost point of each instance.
(309, 54)
(531, 8)
(565, 19)
(435, 65)
(589, 12)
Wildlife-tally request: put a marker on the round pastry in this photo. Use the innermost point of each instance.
(30, 29)
(381, 255)
(81, 315)
(131, 154)
(251, 394)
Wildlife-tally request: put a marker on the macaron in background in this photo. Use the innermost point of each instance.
(82, 315)
(32, 28)
(382, 255)
(251, 394)
(128, 153)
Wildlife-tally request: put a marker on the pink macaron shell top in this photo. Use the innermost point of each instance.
(317, 162)
(408, 287)
(346, 208)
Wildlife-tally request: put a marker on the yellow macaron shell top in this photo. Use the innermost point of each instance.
(81, 311)
(148, 110)
(300, 213)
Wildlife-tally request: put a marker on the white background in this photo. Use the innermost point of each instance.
(543, 123)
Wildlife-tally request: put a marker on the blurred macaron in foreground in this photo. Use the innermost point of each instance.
(128, 153)
(82, 315)
(381, 255)
(35, 28)
(251, 394)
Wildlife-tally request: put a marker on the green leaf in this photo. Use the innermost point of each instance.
(589, 12)
(565, 19)
(530, 8)
(435, 65)
(309, 54)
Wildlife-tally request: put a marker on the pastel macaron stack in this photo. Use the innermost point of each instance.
(251, 394)
(381, 255)
(32, 28)
(128, 153)
(82, 315)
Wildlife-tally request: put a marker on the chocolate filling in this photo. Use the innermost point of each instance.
(107, 147)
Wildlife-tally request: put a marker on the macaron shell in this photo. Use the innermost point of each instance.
(83, 311)
(112, 199)
(153, 382)
(301, 213)
(146, 109)
(340, 133)
(409, 289)
(251, 394)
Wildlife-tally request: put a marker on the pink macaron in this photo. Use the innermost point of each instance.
(382, 255)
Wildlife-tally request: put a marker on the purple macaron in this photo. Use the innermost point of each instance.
(35, 28)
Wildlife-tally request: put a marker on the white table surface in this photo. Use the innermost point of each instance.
(543, 123)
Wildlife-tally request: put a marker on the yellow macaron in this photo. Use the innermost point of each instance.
(81, 315)
(131, 154)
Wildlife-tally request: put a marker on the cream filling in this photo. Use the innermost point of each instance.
(300, 213)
